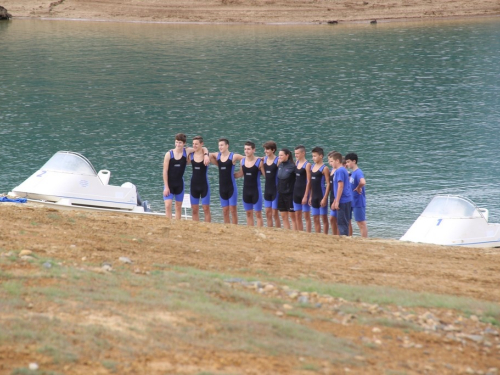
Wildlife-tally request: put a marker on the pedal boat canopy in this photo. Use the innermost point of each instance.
(69, 178)
(456, 221)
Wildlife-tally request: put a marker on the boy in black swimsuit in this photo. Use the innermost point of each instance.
(228, 190)
(251, 170)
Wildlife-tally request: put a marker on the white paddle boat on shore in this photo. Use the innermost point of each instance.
(453, 220)
(68, 180)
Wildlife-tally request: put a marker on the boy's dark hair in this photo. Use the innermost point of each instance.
(251, 144)
(318, 150)
(301, 147)
(270, 145)
(198, 138)
(352, 156)
(337, 156)
(225, 140)
(330, 154)
(181, 137)
(289, 153)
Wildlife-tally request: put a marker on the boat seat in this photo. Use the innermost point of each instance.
(104, 175)
(186, 203)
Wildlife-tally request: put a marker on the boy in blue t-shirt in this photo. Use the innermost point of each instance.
(343, 195)
(358, 183)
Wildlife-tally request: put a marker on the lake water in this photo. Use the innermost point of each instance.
(418, 102)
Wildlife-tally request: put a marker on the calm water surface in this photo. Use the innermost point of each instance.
(418, 102)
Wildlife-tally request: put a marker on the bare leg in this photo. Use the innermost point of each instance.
(317, 224)
(284, 217)
(276, 215)
(168, 208)
(178, 210)
(333, 224)
(196, 212)
(350, 228)
(206, 212)
(250, 218)
(324, 218)
(269, 217)
(294, 221)
(298, 220)
(307, 216)
(363, 228)
(260, 221)
(225, 214)
(234, 214)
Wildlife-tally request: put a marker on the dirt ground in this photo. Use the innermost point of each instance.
(249, 11)
(471, 272)
(82, 239)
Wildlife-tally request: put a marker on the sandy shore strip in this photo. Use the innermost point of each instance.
(250, 11)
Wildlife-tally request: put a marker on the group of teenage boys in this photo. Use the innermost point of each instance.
(293, 190)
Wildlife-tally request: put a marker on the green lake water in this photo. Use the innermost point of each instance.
(418, 102)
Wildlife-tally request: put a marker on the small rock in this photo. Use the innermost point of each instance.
(261, 235)
(468, 370)
(279, 313)
(303, 300)
(347, 319)
(30, 306)
(234, 280)
(84, 259)
(268, 288)
(25, 252)
(107, 267)
(47, 265)
(27, 257)
(293, 295)
(33, 366)
(474, 318)
(490, 331)
(72, 246)
(376, 330)
(492, 371)
(475, 338)
(287, 307)
(125, 260)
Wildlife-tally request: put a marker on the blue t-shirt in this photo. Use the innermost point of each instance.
(341, 174)
(358, 200)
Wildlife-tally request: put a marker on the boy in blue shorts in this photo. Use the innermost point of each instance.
(200, 188)
(358, 183)
(271, 184)
(320, 186)
(251, 170)
(333, 213)
(174, 165)
(342, 193)
(228, 191)
(301, 190)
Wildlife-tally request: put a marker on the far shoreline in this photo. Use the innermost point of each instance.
(262, 23)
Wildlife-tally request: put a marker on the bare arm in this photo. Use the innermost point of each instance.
(359, 188)
(262, 170)
(340, 189)
(239, 173)
(213, 158)
(326, 174)
(166, 161)
(308, 183)
(237, 158)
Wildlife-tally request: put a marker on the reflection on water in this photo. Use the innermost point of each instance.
(418, 102)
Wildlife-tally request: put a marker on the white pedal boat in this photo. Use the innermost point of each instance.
(68, 180)
(454, 221)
